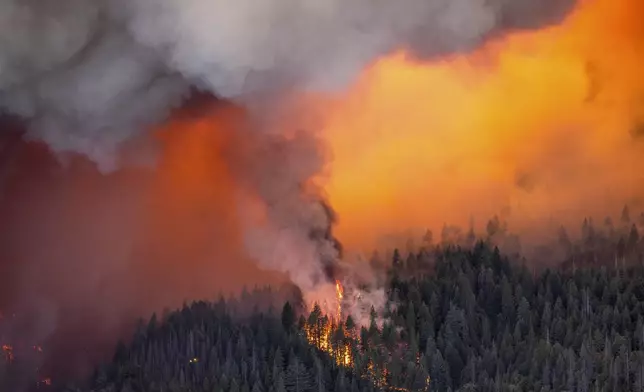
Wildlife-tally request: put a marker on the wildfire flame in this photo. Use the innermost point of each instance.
(339, 291)
(8, 353)
(332, 336)
(322, 332)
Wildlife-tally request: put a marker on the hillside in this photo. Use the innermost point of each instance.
(460, 316)
(476, 322)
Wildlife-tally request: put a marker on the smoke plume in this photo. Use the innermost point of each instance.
(232, 182)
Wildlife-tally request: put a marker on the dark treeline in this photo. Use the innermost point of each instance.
(477, 322)
(464, 316)
(611, 241)
(22, 362)
(203, 348)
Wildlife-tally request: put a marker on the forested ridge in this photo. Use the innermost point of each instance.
(460, 317)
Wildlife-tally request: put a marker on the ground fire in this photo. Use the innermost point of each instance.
(8, 353)
(23, 358)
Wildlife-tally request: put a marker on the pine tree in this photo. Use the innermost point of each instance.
(288, 316)
(298, 378)
(626, 215)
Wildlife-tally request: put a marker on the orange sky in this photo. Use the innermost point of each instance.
(415, 145)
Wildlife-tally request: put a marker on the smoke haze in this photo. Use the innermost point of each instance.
(399, 113)
(85, 253)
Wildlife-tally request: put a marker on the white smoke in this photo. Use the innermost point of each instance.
(91, 76)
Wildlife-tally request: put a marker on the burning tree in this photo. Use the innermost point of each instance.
(330, 334)
(367, 355)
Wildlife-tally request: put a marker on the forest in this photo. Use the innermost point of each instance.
(462, 315)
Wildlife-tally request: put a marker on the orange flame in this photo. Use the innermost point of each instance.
(339, 290)
(323, 333)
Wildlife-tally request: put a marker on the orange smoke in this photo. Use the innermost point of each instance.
(537, 125)
(191, 227)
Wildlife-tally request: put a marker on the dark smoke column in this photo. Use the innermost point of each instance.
(330, 265)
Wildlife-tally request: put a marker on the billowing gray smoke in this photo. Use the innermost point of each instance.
(92, 77)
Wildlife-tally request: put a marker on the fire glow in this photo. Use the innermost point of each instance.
(530, 123)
